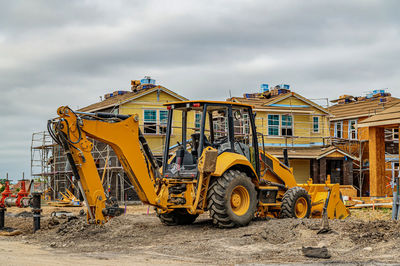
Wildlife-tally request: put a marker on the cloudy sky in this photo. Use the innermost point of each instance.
(56, 53)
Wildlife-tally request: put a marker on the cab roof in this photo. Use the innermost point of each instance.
(202, 103)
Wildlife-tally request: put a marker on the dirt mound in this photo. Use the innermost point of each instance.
(263, 241)
(367, 233)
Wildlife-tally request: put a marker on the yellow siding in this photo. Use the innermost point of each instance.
(302, 125)
(292, 101)
(152, 97)
(301, 170)
(149, 101)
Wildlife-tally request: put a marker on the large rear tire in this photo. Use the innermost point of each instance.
(176, 217)
(232, 200)
(296, 203)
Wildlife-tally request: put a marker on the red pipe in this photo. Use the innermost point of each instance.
(5, 194)
(21, 194)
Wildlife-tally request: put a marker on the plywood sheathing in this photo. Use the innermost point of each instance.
(377, 161)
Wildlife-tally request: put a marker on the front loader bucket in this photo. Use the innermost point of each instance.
(326, 195)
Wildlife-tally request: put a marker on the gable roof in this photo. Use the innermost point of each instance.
(361, 108)
(390, 116)
(129, 96)
(263, 103)
(308, 153)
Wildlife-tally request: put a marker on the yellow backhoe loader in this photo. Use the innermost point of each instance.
(219, 164)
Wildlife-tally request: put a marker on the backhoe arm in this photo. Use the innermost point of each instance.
(71, 131)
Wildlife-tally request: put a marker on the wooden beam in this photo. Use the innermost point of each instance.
(376, 161)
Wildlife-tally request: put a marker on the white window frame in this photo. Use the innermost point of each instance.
(318, 123)
(341, 129)
(350, 130)
(279, 125)
(282, 126)
(158, 121)
(160, 125)
(144, 121)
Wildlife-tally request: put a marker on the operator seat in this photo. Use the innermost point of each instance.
(196, 143)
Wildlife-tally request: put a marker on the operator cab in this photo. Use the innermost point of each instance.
(225, 126)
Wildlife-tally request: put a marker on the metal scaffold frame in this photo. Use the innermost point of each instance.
(49, 165)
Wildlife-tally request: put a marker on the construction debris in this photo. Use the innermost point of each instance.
(368, 202)
(68, 200)
(61, 214)
(316, 252)
(375, 94)
(7, 231)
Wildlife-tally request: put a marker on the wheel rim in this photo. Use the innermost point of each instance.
(240, 200)
(301, 207)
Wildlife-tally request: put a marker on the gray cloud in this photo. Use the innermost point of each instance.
(54, 53)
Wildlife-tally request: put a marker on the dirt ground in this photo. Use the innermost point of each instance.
(367, 237)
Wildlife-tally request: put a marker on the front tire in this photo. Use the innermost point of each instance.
(296, 203)
(176, 217)
(232, 200)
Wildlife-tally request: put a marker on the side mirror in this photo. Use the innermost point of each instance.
(237, 114)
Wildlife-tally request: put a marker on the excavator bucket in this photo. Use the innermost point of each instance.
(326, 197)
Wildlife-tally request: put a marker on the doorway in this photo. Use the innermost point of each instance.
(335, 169)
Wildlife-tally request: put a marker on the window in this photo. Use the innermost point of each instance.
(286, 128)
(391, 134)
(150, 121)
(273, 125)
(338, 130)
(352, 129)
(241, 125)
(152, 125)
(316, 124)
(197, 120)
(163, 121)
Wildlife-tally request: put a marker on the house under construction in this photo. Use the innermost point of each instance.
(49, 164)
(290, 121)
(348, 112)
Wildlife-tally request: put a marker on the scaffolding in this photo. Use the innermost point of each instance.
(50, 166)
(359, 149)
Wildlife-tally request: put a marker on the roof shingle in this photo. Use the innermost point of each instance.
(118, 99)
(361, 108)
(390, 116)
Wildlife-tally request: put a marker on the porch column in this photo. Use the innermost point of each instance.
(315, 171)
(348, 172)
(376, 161)
(322, 170)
